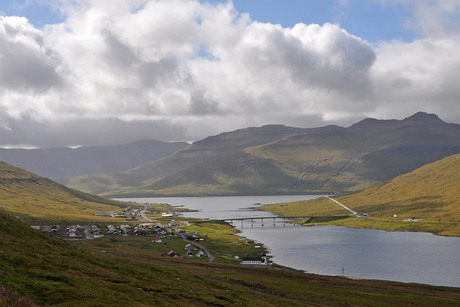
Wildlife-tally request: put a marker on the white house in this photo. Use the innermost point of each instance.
(255, 260)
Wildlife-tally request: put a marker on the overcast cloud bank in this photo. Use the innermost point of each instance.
(118, 71)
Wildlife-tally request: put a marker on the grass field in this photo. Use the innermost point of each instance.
(130, 271)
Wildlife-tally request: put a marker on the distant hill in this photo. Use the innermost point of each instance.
(277, 159)
(430, 192)
(62, 162)
(36, 198)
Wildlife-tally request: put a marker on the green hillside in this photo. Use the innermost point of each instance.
(430, 193)
(283, 160)
(36, 198)
(38, 268)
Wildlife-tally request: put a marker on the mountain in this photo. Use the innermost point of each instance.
(277, 159)
(62, 162)
(36, 198)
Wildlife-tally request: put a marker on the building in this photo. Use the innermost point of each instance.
(262, 260)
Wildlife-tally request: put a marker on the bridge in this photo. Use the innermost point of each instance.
(273, 219)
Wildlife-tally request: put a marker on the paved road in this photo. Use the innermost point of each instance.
(143, 216)
(211, 257)
(343, 206)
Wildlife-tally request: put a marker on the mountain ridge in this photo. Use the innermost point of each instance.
(276, 159)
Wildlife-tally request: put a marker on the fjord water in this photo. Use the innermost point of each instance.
(362, 253)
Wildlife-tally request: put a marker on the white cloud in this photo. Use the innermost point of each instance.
(201, 69)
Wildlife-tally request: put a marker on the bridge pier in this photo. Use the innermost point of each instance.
(293, 219)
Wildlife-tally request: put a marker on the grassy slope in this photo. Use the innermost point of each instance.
(431, 192)
(38, 198)
(283, 160)
(49, 271)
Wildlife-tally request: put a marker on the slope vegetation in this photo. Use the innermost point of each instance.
(431, 192)
(43, 269)
(427, 199)
(37, 198)
(278, 159)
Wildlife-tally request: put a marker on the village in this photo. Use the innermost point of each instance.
(137, 224)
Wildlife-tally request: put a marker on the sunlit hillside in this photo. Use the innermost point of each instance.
(37, 198)
(430, 192)
(427, 199)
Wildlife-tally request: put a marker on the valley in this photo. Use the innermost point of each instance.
(87, 249)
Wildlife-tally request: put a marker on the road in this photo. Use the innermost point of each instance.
(343, 206)
(211, 257)
(143, 216)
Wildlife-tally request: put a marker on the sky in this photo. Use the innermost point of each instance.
(102, 72)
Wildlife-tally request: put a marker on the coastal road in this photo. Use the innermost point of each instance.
(211, 257)
(343, 206)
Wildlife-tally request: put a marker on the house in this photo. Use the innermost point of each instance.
(133, 233)
(171, 253)
(255, 260)
(190, 247)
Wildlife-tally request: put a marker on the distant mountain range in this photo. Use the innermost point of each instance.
(62, 162)
(276, 159)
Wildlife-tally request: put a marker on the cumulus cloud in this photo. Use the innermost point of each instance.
(180, 69)
(27, 63)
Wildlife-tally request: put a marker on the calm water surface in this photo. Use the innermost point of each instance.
(362, 253)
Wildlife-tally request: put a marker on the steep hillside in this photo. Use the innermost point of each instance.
(37, 198)
(278, 159)
(430, 195)
(59, 163)
(365, 154)
(48, 271)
